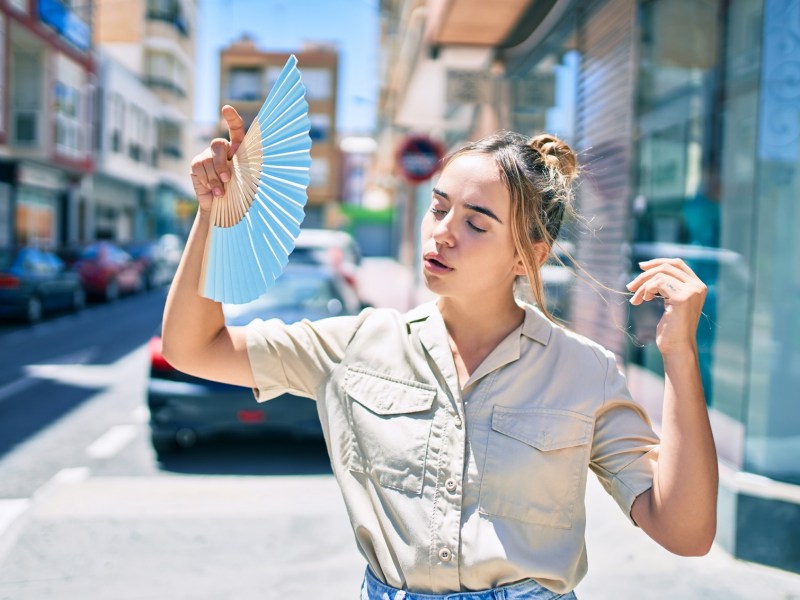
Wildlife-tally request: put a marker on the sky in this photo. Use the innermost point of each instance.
(284, 25)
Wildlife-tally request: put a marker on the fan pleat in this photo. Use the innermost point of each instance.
(284, 204)
(255, 224)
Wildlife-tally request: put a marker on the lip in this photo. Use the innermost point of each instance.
(435, 263)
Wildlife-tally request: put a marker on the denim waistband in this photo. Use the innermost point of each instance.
(373, 589)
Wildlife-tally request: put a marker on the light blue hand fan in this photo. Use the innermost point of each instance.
(255, 224)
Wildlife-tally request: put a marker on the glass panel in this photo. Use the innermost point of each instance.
(773, 419)
(676, 211)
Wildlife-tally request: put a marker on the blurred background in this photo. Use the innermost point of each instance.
(686, 118)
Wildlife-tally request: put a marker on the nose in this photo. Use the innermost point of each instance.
(443, 231)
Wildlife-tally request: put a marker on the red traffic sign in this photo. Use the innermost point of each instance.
(418, 157)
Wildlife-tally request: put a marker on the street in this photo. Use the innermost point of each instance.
(86, 511)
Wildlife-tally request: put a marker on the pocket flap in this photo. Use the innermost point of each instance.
(543, 428)
(386, 396)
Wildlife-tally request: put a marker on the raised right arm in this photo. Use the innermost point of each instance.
(194, 336)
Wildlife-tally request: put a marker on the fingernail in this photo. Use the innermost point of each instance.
(225, 177)
(629, 284)
(217, 191)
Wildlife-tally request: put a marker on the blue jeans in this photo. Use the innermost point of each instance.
(372, 589)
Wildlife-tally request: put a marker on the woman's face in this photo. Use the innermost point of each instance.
(467, 246)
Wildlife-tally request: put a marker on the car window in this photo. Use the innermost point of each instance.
(91, 252)
(7, 256)
(302, 290)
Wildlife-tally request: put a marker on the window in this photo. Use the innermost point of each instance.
(320, 127)
(319, 172)
(244, 84)
(318, 82)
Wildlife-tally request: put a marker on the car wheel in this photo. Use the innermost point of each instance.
(34, 310)
(78, 299)
(164, 444)
(112, 291)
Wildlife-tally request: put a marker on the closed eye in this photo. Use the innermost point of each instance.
(478, 229)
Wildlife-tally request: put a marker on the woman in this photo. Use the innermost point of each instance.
(461, 433)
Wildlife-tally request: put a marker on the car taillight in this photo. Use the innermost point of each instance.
(9, 282)
(157, 360)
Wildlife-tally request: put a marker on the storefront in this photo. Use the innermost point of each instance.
(686, 116)
(40, 207)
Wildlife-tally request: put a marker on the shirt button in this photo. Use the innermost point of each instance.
(451, 485)
(458, 421)
(445, 554)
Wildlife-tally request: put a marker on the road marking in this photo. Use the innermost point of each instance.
(10, 509)
(23, 383)
(112, 441)
(141, 414)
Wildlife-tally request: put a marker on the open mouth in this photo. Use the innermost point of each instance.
(435, 262)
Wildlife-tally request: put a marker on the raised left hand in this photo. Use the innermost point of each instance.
(684, 295)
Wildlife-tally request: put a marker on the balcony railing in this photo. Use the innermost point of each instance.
(174, 18)
(164, 83)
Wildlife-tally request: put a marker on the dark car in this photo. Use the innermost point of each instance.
(34, 282)
(107, 271)
(155, 264)
(184, 408)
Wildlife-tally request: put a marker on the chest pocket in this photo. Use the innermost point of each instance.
(390, 428)
(536, 465)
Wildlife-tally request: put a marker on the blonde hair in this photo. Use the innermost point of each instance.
(538, 173)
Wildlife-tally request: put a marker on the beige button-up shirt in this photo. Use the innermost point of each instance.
(452, 489)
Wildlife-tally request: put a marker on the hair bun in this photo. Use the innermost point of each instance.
(556, 154)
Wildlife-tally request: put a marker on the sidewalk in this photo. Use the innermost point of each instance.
(626, 564)
(623, 562)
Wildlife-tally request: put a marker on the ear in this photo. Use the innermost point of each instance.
(540, 250)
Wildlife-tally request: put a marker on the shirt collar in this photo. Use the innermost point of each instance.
(433, 335)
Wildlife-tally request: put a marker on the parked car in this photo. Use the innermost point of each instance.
(34, 282)
(155, 260)
(108, 271)
(184, 408)
(337, 249)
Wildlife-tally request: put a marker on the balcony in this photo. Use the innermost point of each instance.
(170, 17)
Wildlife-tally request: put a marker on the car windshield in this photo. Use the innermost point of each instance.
(301, 290)
(90, 252)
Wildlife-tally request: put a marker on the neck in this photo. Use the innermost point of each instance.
(477, 321)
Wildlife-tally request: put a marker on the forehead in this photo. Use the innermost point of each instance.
(475, 179)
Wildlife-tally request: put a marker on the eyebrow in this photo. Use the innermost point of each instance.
(479, 209)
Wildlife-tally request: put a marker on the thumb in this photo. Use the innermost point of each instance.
(235, 128)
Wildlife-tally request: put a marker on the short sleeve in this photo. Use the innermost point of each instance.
(297, 358)
(625, 447)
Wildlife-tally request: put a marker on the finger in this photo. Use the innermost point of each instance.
(201, 189)
(235, 128)
(665, 268)
(213, 181)
(675, 262)
(660, 285)
(219, 154)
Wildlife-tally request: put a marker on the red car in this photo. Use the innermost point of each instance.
(108, 271)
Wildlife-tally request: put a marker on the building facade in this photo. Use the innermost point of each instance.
(46, 120)
(155, 41)
(246, 76)
(686, 118)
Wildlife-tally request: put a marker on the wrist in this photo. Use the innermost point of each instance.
(680, 353)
